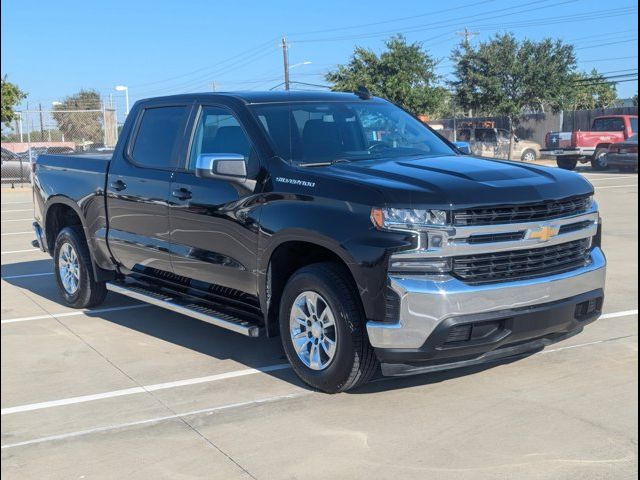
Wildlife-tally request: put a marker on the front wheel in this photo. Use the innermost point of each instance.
(529, 155)
(74, 272)
(322, 326)
(599, 160)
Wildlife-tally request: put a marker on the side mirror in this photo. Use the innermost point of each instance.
(229, 166)
(463, 147)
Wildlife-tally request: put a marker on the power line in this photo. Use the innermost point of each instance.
(488, 15)
(609, 43)
(394, 20)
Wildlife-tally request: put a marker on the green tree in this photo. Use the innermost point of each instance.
(77, 124)
(635, 99)
(505, 76)
(404, 74)
(591, 90)
(11, 98)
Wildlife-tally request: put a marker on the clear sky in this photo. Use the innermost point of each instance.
(53, 48)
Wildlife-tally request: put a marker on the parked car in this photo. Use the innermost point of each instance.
(623, 155)
(335, 220)
(14, 168)
(32, 153)
(495, 142)
(569, 148)
(60, 150)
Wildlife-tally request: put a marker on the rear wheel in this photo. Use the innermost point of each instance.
(567, 163)
(322, 327)
(74, 272)
(599, 160)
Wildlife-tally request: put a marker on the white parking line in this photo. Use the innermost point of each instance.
(197, 380)
(616, 186)
(204, 411)
(28, 275)
(16, 203)
(619, 177)
(16, 220)
(21, 251)
(626, 313)
(20, 210)
(16, 233)
(211, 410)
(145, 389)
(73, 314)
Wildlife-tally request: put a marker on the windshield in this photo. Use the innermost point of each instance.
(314, 132)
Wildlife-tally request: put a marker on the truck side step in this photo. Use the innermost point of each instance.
(185, 307)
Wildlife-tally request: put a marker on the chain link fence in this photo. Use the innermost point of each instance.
(35, 132)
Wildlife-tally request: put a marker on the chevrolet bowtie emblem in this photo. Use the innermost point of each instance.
(544, 234)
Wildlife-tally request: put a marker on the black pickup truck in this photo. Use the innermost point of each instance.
(335, 220)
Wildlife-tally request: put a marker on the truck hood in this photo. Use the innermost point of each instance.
(461, 181)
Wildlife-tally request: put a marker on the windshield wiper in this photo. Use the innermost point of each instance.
(324, 164)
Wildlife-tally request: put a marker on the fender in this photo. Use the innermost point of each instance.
(344, 229)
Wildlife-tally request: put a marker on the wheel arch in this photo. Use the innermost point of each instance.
(284, 256)
(60, 212)
(601, 146)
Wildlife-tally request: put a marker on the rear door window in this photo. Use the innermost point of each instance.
(634, 125)
(158, 137)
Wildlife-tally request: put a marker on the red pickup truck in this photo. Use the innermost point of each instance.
(569, 148)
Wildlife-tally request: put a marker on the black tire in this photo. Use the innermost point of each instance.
(89, 293)
(354, 362)
(529, 155)
(567, 163)
(598, 162)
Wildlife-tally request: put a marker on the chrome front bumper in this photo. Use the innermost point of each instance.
(426, 302)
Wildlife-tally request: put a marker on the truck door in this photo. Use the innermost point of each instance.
(138, 187)
(214, 228)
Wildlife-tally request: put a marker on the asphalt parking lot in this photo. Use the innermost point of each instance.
(133, 391)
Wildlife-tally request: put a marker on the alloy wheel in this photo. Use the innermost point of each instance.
(313, 331)
(69, 268)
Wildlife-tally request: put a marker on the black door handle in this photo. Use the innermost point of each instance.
(118, 185)
(182, 194)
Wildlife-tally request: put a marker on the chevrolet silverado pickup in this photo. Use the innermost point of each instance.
(569, 148)
(337, 221)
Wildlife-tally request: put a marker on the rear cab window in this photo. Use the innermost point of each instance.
(613, 124)
(158, 137)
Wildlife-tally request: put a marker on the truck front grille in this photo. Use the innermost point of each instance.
(521, 264)
(521, 213)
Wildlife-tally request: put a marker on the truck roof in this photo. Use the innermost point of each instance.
(250, 97)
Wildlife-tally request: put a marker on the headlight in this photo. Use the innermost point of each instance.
(407, 218)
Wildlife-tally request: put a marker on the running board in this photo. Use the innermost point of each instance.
(184, 307)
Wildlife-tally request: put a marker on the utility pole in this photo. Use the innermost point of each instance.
(468, 35)
(213, 86)
(285, 58)
(41, 123)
